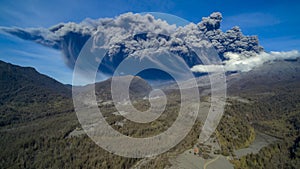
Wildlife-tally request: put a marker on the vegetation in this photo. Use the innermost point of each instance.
(274, 111)
(37, 117)
(233, 132)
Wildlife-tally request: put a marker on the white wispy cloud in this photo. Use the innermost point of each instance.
(242, 63)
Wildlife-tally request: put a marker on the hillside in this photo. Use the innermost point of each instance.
(37, 117)
(268, 99)
(26, 95)
(39, 128)
(138, 87)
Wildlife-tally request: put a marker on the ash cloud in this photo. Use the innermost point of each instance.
(232, 40)
(71, 37)
(125, 35)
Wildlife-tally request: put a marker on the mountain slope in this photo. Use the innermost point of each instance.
(36, 117)
(266, 77)
(26, 94)
(37, 124)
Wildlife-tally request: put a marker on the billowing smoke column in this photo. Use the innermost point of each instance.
(126, 34)
(232, 40)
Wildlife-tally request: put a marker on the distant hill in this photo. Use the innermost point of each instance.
(16, 77)
(138, 88)
(26, 94)
(269, 76)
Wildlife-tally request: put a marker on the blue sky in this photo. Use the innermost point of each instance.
(275, 22)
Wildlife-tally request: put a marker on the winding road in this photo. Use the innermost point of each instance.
(211, 161)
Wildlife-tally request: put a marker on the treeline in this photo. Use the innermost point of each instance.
(276, 113)
(233, 132)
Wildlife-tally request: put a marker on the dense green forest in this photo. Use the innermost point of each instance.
(37, 117)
